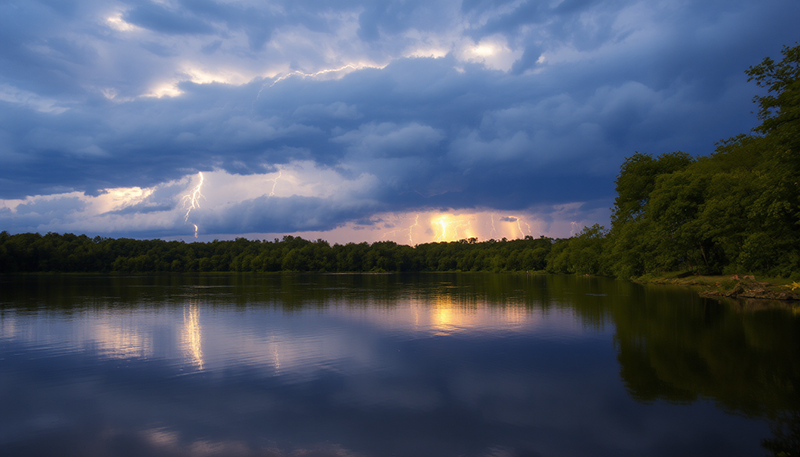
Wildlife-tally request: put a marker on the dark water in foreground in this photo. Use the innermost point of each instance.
(379, 365)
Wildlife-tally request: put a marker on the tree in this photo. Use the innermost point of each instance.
(778, 205)
(779, 110)
(637, 179)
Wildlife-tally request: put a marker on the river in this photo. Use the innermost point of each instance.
(378, 365)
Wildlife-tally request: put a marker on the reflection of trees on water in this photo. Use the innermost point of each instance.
(745, 360)
(671, 344)
(785, 441)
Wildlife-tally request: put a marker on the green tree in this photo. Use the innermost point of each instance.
(637, 179)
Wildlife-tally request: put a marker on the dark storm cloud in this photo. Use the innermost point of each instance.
(285, 215)
(31, 216)
(160, 19)
(446, 132)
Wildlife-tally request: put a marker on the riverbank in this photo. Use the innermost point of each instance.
(732, 286)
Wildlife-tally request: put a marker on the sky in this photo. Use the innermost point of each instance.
(404, 120)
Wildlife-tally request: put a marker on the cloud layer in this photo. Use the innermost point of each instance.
(396, 106)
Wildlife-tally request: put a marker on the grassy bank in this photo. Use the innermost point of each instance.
(734, 286)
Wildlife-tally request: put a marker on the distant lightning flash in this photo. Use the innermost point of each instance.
(192, 201)
(520, 221)
(493, 229)
(446, 222)
(416, 224)
(443, 223)
(321, 72)
(408, 229)
(274, 183)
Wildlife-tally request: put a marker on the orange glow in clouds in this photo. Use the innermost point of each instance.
(449, 227)
(426, 227)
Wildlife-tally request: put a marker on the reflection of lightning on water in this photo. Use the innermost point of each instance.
(192, 334)
(192, 201)
(276, 355)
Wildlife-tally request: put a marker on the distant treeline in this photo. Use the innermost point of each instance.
(734, 211)
(32, 252)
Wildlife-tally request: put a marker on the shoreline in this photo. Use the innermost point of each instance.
(731, 286)
(712, 286)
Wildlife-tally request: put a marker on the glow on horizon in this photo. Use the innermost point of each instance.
(430, 226)
(168, 206)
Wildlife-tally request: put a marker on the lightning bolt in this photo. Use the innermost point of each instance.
(521, 221)
(275, 183)
(192, 201)
(409, 229)
(416, 224)
(493, 229)
(572, 231)
(446, 222)
(442, 222)
(321, 72)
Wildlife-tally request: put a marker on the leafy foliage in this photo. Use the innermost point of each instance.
(31, 252)
(736, 210)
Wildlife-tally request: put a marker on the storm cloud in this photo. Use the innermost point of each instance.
(396, 106)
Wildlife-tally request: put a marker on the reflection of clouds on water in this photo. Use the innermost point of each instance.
(8, 326)
(418, 318)
(410, 373)
(162, 441)
(117, 334)
(120, 336)
(458, 394)
(382, 394)
(298, 345)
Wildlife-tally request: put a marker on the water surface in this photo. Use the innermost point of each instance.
(378, 365)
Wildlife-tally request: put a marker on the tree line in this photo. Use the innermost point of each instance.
(736, 210)
(53, 252)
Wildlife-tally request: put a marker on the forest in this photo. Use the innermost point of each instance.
(30, 252)
(736, 210)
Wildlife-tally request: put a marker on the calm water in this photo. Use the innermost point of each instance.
(379, 365)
